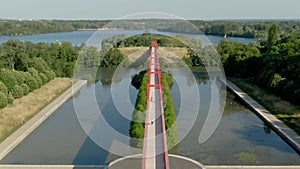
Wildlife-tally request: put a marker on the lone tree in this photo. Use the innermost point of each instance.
(273, 36)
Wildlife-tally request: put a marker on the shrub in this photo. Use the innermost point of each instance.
(17, 91)
(50, 74)
(35, 74)
(136, 130)
(288, 90)
(10, 98)
(33, 71)
(265, 77)
(31, 82)
(25, 88)
(3, 100)
(19, 76)
(3, 88)
(39, 65)
(7, 78)
(280, 86)
(274, 81)
(38, 80)
(296, 96)
(43, 77)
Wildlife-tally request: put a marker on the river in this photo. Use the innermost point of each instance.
(240, 138)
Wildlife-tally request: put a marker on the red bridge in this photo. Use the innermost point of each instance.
(155, 149)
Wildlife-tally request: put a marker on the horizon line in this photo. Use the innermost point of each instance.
(93, 19)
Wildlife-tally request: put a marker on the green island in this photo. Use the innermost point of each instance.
(137, 124)
(143, 40)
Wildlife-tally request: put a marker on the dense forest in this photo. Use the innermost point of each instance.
(273, 64)
(25, 66)
(59, 56)
(235, 28)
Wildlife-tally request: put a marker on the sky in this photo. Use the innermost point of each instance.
(186, 9)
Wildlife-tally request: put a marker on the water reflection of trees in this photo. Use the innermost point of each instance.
(199, 78)
(106, 76)
(267, 128)
(233, 105)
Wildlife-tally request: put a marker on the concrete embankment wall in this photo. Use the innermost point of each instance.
(18, 136)
(278, 126)
(105, 167)
(51, 167)
(252, 167)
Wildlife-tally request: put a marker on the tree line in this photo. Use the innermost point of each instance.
(60, 57)
(274, 64)
(234, 28)
(90, 56)
(143, 40)
(15, 84)
(26, 27)
(25, 66)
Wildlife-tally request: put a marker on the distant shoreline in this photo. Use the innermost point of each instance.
(91, 29)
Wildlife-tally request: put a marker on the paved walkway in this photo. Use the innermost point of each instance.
(18, 136)
(151, 127)
(154, 143)
(278, 126)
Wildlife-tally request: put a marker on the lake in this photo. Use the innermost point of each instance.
(81, 37)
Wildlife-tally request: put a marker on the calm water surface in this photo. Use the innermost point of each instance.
(241, 137)
(60, 140)
(81, 37)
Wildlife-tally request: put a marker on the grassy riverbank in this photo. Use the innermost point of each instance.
(170, 54)
(24, 108)
(283, 110)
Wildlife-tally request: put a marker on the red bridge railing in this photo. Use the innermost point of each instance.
(160, 87)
